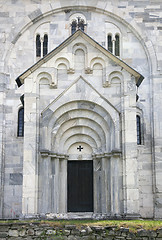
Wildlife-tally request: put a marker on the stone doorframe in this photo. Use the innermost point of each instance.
(108, 189)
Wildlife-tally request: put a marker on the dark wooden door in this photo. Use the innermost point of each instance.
(80, 186)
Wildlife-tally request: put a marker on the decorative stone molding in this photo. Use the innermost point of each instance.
(88, 70)
(114, 153)
(70, 71)
(47, 153)
(106, 84)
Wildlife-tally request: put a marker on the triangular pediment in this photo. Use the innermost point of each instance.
(82, 90)
(88, 41)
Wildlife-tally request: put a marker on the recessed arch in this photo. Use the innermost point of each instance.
(95, 120)
(84, 113)
(80, 138)
(80, 130)
(81, 114)
(97, 61)
(115, 74)
(44, 77)
(82, 110)
(100, 107)
(83, 122)
(62, 60)
(87, 149)
(79, 46)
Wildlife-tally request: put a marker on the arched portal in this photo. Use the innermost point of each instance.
(83, 167)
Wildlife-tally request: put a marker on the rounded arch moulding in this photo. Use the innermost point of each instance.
(80, 120)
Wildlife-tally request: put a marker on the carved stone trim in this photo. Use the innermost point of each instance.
(114, 153)
(53, 85)
(70, 71)
(47, 153)
(88, 70)
(106, 84)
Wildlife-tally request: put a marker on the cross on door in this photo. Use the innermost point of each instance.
(80, 148)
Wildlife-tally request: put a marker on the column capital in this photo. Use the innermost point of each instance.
(47, 153)
(113, 153)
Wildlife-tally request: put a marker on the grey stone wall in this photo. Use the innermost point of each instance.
(35, 230)
(140, 23)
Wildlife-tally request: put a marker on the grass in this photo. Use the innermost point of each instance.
(133, 225)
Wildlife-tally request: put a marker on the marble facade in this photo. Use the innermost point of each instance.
(80, 94)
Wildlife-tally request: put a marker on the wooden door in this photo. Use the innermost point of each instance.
(80, 186)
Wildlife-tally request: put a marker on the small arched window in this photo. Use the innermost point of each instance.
(113, 44)
(81, 25)
(139, 133)
(109, 41)
(38, 46)
(117, 45)
(73, 26)
(45, 45)
(41, 45)
(20, 130)
(76, 24)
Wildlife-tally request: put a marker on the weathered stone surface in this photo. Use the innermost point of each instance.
(51, 232)
(16, 179)
(107, 84)
(30, 232)
(89, 230)
(3, 234)
(40, 232)
(22, 232)
(67, 232)
(13, 233)
(159, 232)
(70, 227)
(142, 233)
(72, 237)
(76, 232)
(97, 228)
(4, 228)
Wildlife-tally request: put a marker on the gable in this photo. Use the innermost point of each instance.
(80, 106)
(79, 41)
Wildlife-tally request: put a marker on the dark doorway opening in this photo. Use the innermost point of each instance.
(80, 186)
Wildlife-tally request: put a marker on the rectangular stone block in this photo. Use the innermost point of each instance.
(15, 179)
(13, 233)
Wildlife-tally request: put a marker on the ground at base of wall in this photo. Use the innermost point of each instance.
(108, 230)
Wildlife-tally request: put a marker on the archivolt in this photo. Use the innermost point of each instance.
(81, 121)
(62, 138)
(80, 138)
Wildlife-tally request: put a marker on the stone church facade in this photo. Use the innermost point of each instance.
(81, 127)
